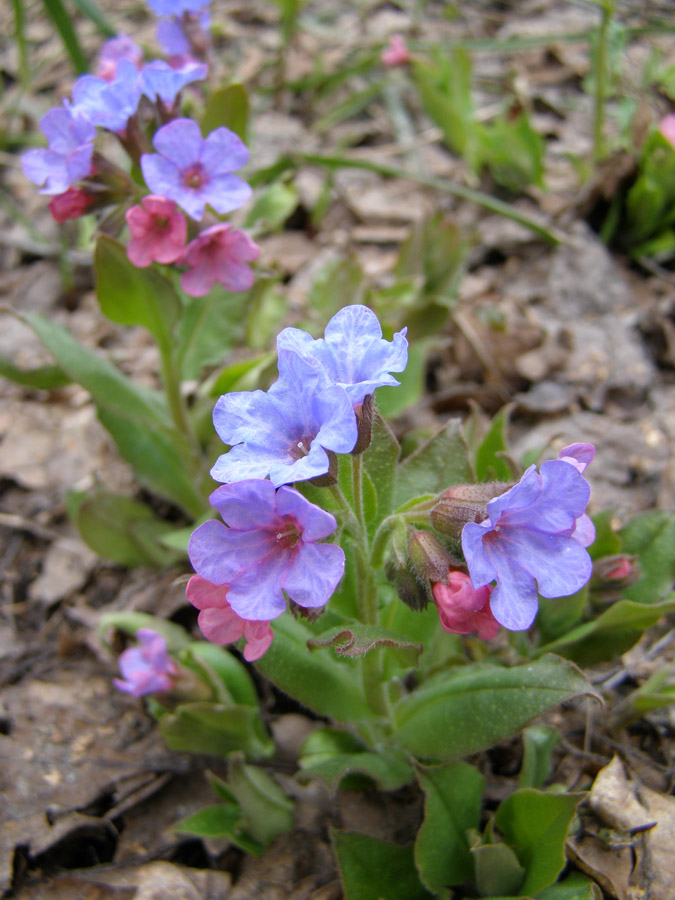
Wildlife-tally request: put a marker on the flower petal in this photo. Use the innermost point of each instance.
(314, 574)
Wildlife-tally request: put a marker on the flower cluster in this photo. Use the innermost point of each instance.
(186, 174)
(269, 546)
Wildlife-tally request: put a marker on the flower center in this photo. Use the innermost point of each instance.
(301, 448)
(161, 223)
(194, 176)
(288, 534)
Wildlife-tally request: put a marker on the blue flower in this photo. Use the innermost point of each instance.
(161, 82)
(146, 668)
(195, 171)
(353, 353)
(71, 146)
(268, 548)
(286, 431)
(534, 537)
(176, 7)
(109, 104)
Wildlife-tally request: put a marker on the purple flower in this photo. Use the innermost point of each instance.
(353, 353)
(172, 39)
(195, 172)
(109, 104)
(286, 431)
(532, 535)
(114, 50)
(146, 668)
(176, 7)
(71, 145)
(161, 82)
(268, 547)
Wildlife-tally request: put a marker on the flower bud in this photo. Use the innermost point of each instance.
(429, 558)
(464, 503)
(72, 204)
(412, 590)
(620, 570)
(462, 608)
(364, 424)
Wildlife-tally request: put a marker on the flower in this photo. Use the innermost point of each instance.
(146, 668)
(221, 624)
(109, 104)
(176, 7)
(463, 608)
(70, 135)
(71, 204)
(218, 254)
(115, 49)
(352, 353)
(158, 231)
(195, 171)
(172, 39)
(536, 531)
(162, 82)
(395, 53)
(667, 128)
(268, 548)
(286, 431)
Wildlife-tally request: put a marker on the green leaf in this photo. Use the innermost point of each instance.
(223, 820)
(272, 207)
(535, 824)
(331, 754)
(210, 326)
(558, 615)
(471, 709)
(266, 313)
(129, 623)
(371, 868)
(395, 399)
(338, 283)
(241, 376)
(607, 542)
(320, 682)
(440, 463)
(266, 809)
(651, 537)
(132, 296)
(357, 639)
(42, 378)
(154, 454)
(233, 674)
(539, 742)
(497, 869)
(205, 727)
(489, 465)
(107, 385)
(575, 887)
(612, 633)
(452, 805)
(120, 529)
(229, 107)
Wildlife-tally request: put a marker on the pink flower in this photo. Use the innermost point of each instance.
(667, 128)
(146, 668)
(463, 608)
(395, 53)
(71, 204)
(221, 624)
(158, 231)
(219, 253)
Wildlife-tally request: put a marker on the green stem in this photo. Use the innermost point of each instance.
(357, 487)
(601, 82)
(178, 408)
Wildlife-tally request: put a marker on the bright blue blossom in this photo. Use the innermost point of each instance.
(352, 353)
(176, 7)
(268, 547)
(109, 104)
(68, 159)
(196, 172)
(172, 39)
(286, 431)
(146, 668)
(161, 82)
(534, 537)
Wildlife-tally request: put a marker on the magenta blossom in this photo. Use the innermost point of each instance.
(220, 623)
(146, 668)
(667, 128)
(218, 254)
(534, 538)
(395, 53)
(158, 231)
(462, 608)
(269, 549)
(71, 204)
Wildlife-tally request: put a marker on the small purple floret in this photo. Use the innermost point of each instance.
(284, 433)
(196, 172)
(109, 104)
(534, 537)
(177, 7)
(146, 668)
(162, 82)
(71, 136)
(268, 548)
(352, 353)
